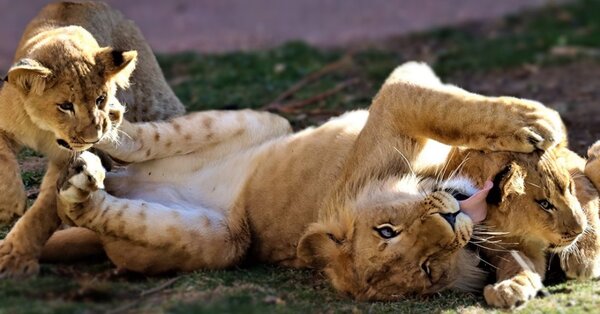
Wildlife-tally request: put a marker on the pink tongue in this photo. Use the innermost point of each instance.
(475, 205)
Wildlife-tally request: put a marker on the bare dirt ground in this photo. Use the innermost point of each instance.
(226, 25)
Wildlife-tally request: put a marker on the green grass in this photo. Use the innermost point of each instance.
(32, 178)
(256, 289)
(520, 39)
(253, 79)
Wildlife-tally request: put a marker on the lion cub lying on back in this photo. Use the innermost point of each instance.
(357, 196)
(61, 96)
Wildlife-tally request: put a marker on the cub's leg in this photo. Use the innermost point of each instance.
(407, 113)
(72, 244)
(423, 108)
(518, 279)
(149, 237)
(582, 259)
(592, 167)
(13, 200)
(199, 131)
(20, 250)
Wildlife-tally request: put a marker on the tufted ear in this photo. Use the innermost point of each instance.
(509, 181)
(324, 243)
(118, 65)
(29, 75)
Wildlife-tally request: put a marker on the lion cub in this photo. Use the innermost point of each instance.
(64, 93)
(358, 197)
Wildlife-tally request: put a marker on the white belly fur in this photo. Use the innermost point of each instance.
(188, 181)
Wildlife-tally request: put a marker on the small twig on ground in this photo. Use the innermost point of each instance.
(306, 80)
(294, 106)
(144, 294)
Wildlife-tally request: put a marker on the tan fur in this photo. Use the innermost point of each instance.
(70, 54)
(518, 222)
(315, 198)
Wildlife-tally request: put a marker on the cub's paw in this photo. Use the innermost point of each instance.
(581, 263)
(592, 167)
(513, 292)
(594, 151)
(83, 176)
(535, 126)
(15, 265)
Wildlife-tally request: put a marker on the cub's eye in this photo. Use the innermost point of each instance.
(66, 107)
(100, 100)
(545, 205)
(426, 269)
(386, 231)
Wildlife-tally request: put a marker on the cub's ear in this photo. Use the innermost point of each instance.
(118, 65)
(508, 182)
(322, 244)
(29, 75)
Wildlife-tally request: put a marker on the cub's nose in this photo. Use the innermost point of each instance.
(91, 134)
(450, 218)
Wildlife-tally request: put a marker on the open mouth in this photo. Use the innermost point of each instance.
(74, 146)
(475, 205)
(63, 144)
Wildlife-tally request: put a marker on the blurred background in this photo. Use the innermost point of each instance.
(229, 25)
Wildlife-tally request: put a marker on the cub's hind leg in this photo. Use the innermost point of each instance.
(150, 237)
(72, 244)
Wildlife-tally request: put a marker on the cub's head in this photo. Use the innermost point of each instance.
(396, 238)
(68, 84)
(534, 197)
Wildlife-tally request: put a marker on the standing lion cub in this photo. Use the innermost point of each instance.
(64, 93)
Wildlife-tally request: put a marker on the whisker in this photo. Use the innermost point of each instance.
(490, 249)
(486, 262)
(406, 161)
(533, 184)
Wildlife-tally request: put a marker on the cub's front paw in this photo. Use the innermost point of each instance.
(582, 263)
(513, 292)
(594, 151)
(83, 176)
(536, 126)
(15, 265)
